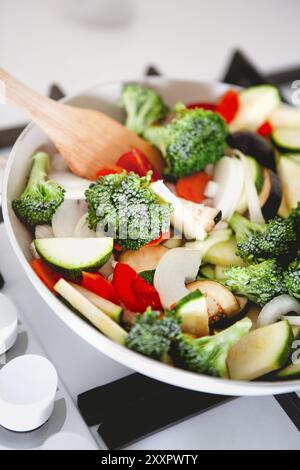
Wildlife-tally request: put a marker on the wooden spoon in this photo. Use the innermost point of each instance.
(88, 140)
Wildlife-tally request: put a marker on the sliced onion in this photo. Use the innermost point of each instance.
(229, 175)
(74, 185)
(215, 237)
(82, 229)
(255, 213)
(33, 251)
(67, 216)
(43, 231)
(276, 308)
(211, 189)
(293, 320)
(221, 225)
(174, 269)
(107, 269)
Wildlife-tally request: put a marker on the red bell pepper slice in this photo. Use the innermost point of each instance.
(146, 294)
(136, 161)
(123, 278)
(196, 105)
(96, 283)
(109, 170)
(192, 187)
(265, 129)
(47, 275)
(228, 105)
(135, 293)
(158, 240)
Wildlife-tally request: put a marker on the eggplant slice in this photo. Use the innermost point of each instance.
(253, 145)
(271, 194)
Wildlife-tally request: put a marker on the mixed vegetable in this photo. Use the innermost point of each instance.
(198, 267)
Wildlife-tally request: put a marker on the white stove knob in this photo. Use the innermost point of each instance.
(8, 323)
(27, 391)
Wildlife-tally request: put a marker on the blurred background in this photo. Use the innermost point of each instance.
(79, 43)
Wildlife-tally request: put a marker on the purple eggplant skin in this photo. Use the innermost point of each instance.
(253, 145)
(272, 204)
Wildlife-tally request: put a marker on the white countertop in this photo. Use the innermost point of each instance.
(42, 42)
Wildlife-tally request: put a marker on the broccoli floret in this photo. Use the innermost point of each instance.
(193, 139)
(125, 208)
(41, 198)
(208, 354)
(153, 333)
(295, 216)
(292, 278)
(258, 282)
(257, 242)
(143, 106)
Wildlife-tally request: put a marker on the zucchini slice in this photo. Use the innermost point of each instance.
(261, 351)
(287, 140)
(224, 254)
(285, 116)
(112, 310)
(193, 312)
(288, 167)
(256, 103)
(71, 256)
(207, 271)
(93, 314)
(256, 172)
(289, 372)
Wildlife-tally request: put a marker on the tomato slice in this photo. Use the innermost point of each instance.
(192, 187)
(109, 170)
(100, 286)
(204, 105)
(136, 161)
(47, 275)
(228, 105)
(265, 129)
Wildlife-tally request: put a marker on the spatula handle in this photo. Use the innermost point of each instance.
(13, 92)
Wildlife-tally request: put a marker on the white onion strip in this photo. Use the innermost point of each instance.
(293, 320)
(276, 308)
(255, 213)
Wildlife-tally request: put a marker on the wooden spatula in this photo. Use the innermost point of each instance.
(88, 140)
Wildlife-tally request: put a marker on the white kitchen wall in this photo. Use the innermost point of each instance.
(66, 40)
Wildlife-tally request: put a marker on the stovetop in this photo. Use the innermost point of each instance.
(243, 423)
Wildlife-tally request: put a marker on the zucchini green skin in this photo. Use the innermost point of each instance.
(73, 272)
(207, 271)
(283, 148)
(291, 371)
(191, 297)
(286, 351)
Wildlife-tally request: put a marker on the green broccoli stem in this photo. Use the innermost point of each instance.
(244, 227)
(157, 136)
(39, 170)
